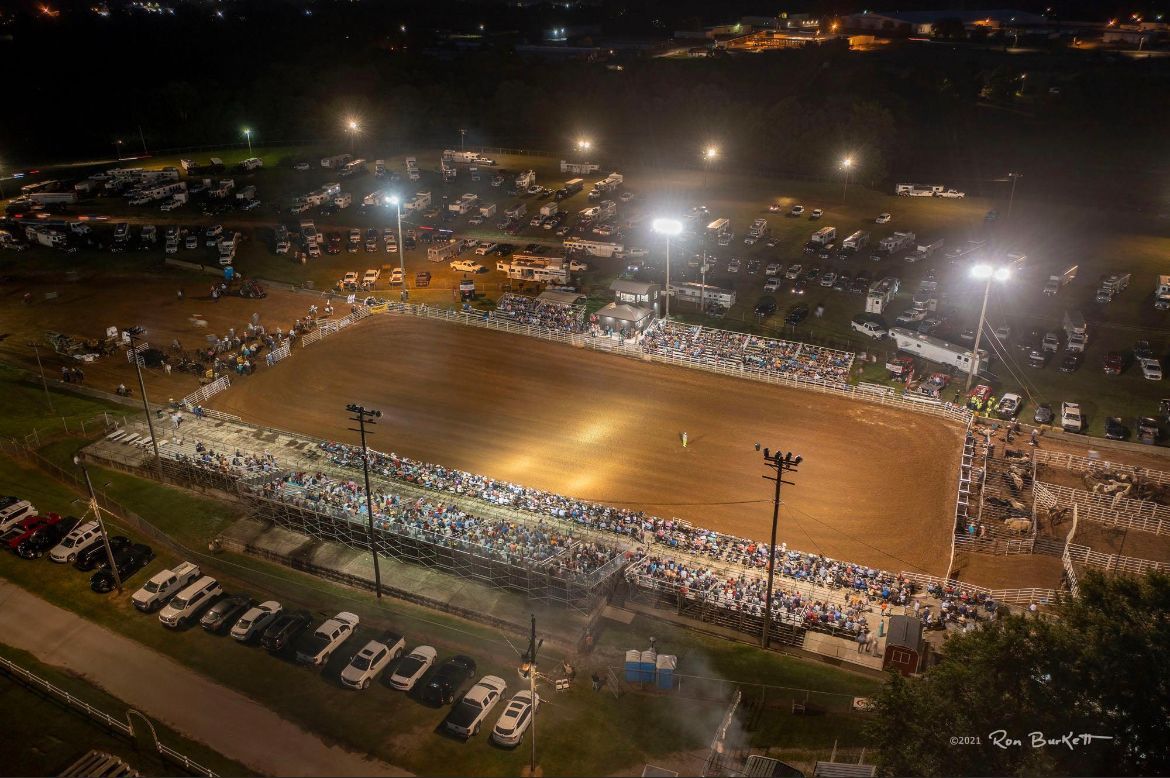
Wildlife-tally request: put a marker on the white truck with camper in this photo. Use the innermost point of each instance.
(1162, 294)
(855, 242)
(880, 294)
(938, 350)
(466, 157)
(1076, 332)
(1056, 282)
(824, 236)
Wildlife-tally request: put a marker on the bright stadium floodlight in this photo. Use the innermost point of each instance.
(710, 153)
(847, 166)
(248, 135)
(983, 272)
(669, 228)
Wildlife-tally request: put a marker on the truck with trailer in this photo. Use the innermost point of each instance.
(592, 247)
(419, 201)
(517, 211)
(824, 236)
(892, 244)
(1113, 286)
(466, 157)
(579, 168)
(571, 187)
(759, 228)
(719, 227)
(336, 161)
(1076, 332)
(548, 209)
(1162, 294)
(938, 350)
(252, 163)
(379, 168)
(437, 252)
(247, 193)
(531, 267)
(1057, 281)
(606, 209)
(343, 200)
(525, 179)
(925, 251)
(917, 190)
(54, 198)
(487, 210)
(222, 188)
(351, 167)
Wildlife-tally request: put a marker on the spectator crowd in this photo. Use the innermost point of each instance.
(541, 313)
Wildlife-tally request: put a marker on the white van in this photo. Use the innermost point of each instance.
(75, 542)
(190, 602)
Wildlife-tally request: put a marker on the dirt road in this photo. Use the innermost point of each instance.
(199, 708)
(877, 485)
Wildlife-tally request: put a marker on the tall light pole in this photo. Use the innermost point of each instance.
(462, 135)
(1012, 197)
(710, 154)
(397, 203)
(363, 416)
(781, 464)
(989, 273)
(37, 350)
(118, 149)
(134, 332)
(248, 135)
(352, 127)
(528, 670)
(847, 166)
(97, 515)
(669, 228)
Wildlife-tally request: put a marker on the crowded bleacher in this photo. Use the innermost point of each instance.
(724, 348)
(541, 313)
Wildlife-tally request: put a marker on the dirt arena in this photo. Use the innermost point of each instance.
(877, 485)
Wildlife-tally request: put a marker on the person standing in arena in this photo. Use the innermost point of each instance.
(684, 439)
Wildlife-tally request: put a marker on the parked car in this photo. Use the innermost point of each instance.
(365, 665)
(79, 539)
(448, 681)
(95, 555)
(796, 314)
(190, 603)
(793, 272)
(816, 213)
(1151, 369)
(1148, 430)
(316, 647)
(516, 718)
(1043, 414)
(13, 510)
(796, 210)
(285, 629)
(224, 613)
(1114, 363)
(163, 586)
(256, 620)
(1115, 429)
(44, 536)
(1009, 405)
(127, 562)
(1071, 419)
(1071, 363)
(883, 218)
(412, 667)
(468, 715)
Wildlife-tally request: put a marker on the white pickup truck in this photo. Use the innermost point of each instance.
(316, 647)
(165, 585)
(466, 266)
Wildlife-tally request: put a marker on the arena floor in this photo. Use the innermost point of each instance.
(877, 485)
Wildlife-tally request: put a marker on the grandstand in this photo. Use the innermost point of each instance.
(537, 312)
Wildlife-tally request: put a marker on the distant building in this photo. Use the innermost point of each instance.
(638, 293)
(903, 645)
(922, 23)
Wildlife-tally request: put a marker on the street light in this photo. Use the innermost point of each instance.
(781, 464)
(847, 166)
(248, 135)
(363, 416)
(669, 228)
(134, 333)
(352, 127)
(584, 145)
(988, 273)
(397, 203)
(1012, 197)
(118, 149)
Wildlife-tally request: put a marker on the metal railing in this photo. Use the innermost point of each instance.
(207, 391)
(1004, 596)
(330, 326)
(117, 726)
(1110, 510)
(1079, 464)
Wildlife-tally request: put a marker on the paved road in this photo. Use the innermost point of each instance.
(227, 721)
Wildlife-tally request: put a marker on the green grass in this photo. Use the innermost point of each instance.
(26, 409)
(45, 736)
(623, 732)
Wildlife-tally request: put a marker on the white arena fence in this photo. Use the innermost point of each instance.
(1005, 596)
(207, 391)
(330, 326)
(1079, 464)
(1112, 562)
(1110, 510)
(922, 405)
(278, 354)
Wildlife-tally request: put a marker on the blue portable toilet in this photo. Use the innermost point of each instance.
(229, 273)
(667, 664)
(633, 666)
(649, 666)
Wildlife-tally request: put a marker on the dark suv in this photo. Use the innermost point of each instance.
(284, 630)
(128, 561)
(95, 555)
(448, 682)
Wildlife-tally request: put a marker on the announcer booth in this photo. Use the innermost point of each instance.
(637, 293)
(619, 317)
(903, 645)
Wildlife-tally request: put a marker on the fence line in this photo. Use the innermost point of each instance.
(1110, 510)
(994, 546)
(278, 354)
(1111, 562)
(207, 391)
(330, 326)
(1005, 596)
(119, 727)
(1079, 464)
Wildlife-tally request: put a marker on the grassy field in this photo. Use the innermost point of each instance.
(624, 732)
(44, 736)
(1051, 234)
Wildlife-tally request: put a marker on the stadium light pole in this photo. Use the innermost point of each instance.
(118, 149)
(781, 464)
(669, 228)
(134, 332)
(97, 515)
(363, 416)
(397, 203)
(584, 145)
(1012, 197)
(462, 135)
(528, 671)
(248, 135)
(709, 155)
(37, 350)
(352, 127)
(847, 166)
(981, 272)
